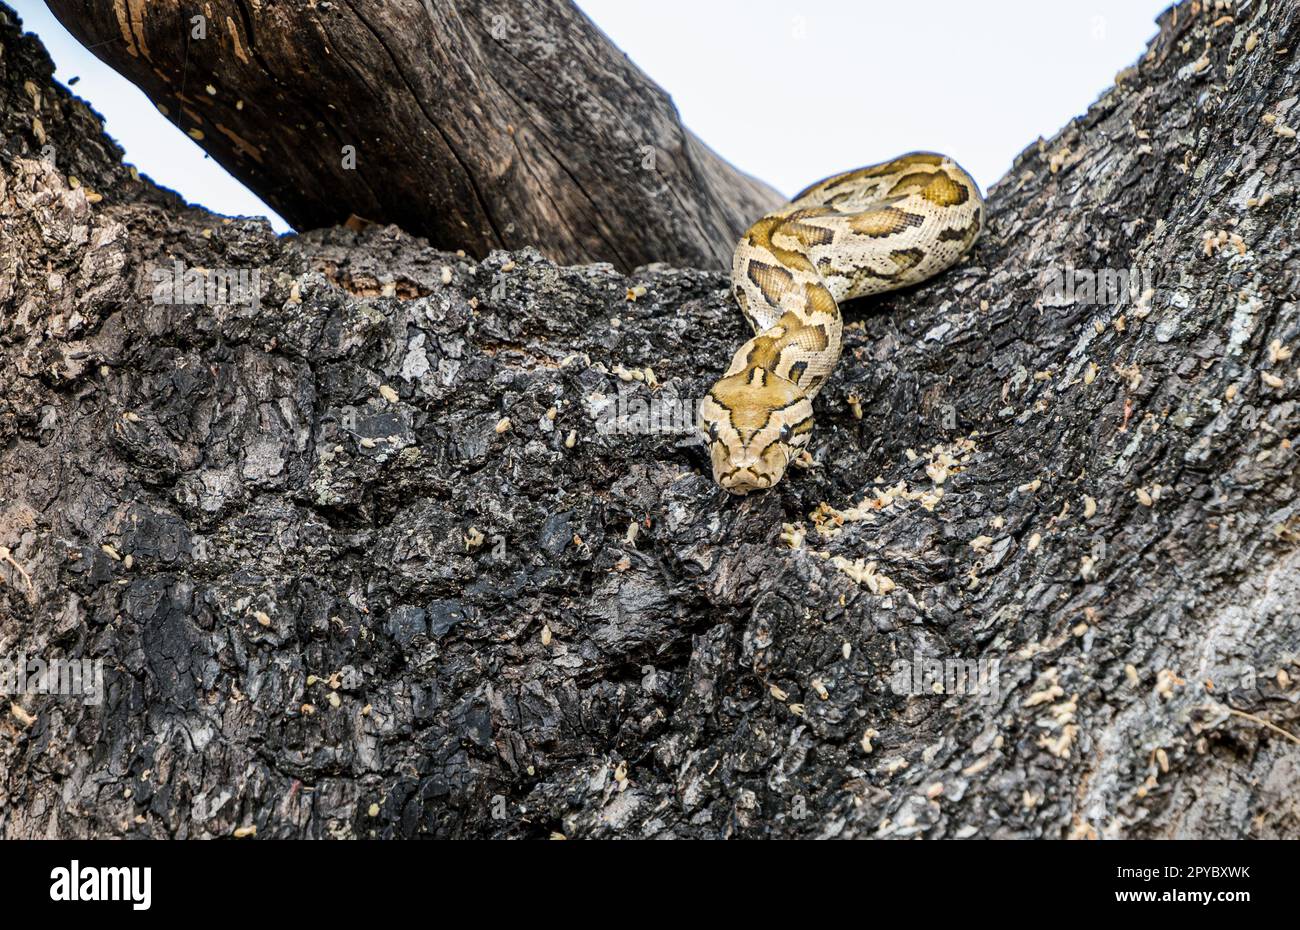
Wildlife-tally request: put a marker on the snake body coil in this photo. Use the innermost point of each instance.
(867, 231)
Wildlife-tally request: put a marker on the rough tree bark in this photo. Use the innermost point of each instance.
(385, 568)
(478, 125)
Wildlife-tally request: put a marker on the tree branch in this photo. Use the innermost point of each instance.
(479, 125)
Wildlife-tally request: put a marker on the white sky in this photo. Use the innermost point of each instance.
(851, 81)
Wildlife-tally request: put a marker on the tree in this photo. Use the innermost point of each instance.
(477, 125)
(395, 551)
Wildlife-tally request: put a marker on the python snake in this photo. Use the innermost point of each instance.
(863, 232)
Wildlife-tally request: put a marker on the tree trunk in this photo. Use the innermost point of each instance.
(477, 125)
(396, 569)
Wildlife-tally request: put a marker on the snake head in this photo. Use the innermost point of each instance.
(755, 423)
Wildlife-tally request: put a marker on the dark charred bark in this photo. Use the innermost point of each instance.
(477, 125)
(388, 577)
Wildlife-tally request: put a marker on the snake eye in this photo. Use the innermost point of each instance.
(712, 432)
(786, 433)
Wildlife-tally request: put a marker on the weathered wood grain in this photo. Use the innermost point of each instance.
(479, 125)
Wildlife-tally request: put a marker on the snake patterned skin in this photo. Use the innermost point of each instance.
(867, 231)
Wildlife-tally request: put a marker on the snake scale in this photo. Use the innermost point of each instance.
(863, 232)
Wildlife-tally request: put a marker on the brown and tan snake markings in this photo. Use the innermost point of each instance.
(864, 232)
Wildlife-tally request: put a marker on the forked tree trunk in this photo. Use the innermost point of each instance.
(388, 576)
(477, 125)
